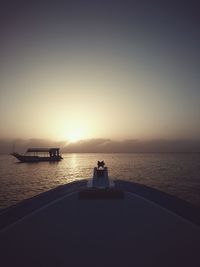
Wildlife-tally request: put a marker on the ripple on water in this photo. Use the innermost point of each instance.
(178, 174)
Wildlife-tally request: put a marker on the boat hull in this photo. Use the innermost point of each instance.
(132, 231)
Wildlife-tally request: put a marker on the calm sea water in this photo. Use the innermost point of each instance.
(177, 174)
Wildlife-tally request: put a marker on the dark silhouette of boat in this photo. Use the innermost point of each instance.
(39, 154)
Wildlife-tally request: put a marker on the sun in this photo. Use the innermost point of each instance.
(72, 131)
(75, 136)
(76, 132)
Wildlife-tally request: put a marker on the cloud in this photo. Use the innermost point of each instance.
(105, 146)
(133, 146)
(21, 145)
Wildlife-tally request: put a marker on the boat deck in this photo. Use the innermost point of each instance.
(69, 231)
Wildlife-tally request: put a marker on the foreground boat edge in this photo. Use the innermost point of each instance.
(171, 203)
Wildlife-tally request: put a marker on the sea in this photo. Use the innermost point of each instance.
(175, 173)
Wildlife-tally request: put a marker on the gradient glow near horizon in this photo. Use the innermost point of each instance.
(105, 69)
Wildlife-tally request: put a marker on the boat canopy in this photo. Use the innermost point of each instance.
(39, 149)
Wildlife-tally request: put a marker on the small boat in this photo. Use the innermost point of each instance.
(39, 154)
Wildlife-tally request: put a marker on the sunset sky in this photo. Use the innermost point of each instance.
(74, 70)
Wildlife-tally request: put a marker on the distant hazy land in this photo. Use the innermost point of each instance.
(104, 145)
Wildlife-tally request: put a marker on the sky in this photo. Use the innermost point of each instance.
(120, 70)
